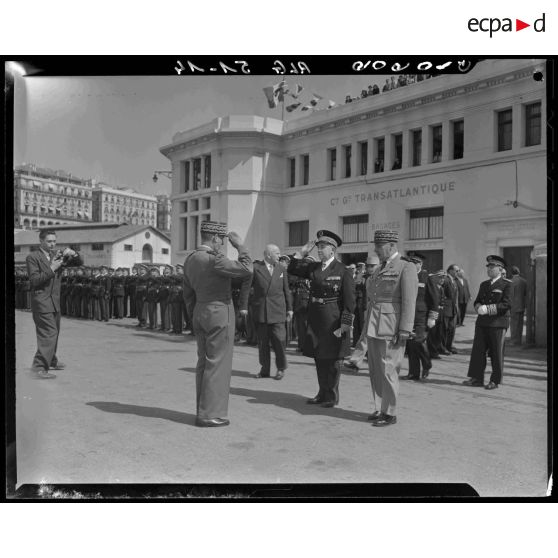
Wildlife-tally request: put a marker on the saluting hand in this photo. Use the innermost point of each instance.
(235, 239)
(307, 248)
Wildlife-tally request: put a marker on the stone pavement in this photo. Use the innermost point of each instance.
(124, 411)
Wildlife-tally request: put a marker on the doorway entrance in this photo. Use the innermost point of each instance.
(434, 260)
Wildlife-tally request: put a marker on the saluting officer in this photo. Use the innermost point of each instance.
(330, 313)
(392, 294)
(492, 305)
(207, 291)
(426, 314)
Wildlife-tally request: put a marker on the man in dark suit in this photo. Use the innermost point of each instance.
(44, 268)
(208, 296)
(426, 314)
(518, 300)
(272, 304)
(463, 295)
(493, 308)
(450, 311)
(330, 313)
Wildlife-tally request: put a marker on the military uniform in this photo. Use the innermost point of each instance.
(131, 293)
(152, 296)
(141, 294)
(426, 309)
(164, 293)
(492, 305)
(118, 288)
(207, 292)
(176, 300)
(434, 339)
(331, 305)
(301, 299)
(392, 294)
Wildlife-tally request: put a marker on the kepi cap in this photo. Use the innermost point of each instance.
(495, 260)
(213, 227)
(383, 236)
(329, 237)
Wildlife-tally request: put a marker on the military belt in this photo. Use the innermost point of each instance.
(323, 300)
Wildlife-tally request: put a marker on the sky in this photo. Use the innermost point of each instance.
(111, 128)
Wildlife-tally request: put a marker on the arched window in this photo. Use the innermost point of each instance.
(41, 222)
(34, 223)
(147, 253)
(26, 223)
(49, 223)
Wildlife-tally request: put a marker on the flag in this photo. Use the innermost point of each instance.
(306, 107)
(315, 99)
(281, 90)
(292, 107)
(270, 95)
(297, 92)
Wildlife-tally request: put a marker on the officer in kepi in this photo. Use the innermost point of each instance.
(330, 313)
(492, 306)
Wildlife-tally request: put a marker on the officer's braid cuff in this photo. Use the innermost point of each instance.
(492, 311)
(347, 318)
(432, 315)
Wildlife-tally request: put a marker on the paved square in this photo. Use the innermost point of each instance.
(124, 411)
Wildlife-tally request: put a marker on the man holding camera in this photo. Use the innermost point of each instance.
(44, 268)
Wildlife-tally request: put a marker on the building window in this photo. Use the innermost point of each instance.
(380, 154)
(298, 233)
(97, 247)
(305, 169)
(533, 124)
(436, 143)
(128, 247)
(332, 165)
(164, 250)
(363, 158)
(197, 174)
(458, 128)
(417, 147)
(426, 223)
(397, 151)
(207, 171)
(195, 205)
(184, 233)
(505, 130)
(292, 170)
(183, 207)
(75, 247)
(355, 228)
(206, 203)
(17, 248)
(348, 153)
(206, 217)
(195, 230)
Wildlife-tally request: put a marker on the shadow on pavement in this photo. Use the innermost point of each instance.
(149, 412)
(240, 373)
(295, 402)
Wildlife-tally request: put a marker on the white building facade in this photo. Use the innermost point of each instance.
(121, 205)
(44, 197)
(456, 164)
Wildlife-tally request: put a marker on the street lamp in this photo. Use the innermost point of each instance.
(168, 174)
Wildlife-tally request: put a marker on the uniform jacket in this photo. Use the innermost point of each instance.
(428, 299)
(272, 296)
(450, 296)
(497, 298)
(334, 283)
(519, 293)
(118, 285)
(45, 283)
(392, 295)
(208, 275)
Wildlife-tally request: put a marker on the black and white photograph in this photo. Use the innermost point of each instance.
(223, 277)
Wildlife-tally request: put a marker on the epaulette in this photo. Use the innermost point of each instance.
(507, 280)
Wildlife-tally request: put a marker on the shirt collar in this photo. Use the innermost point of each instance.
(326, 263)
(45, 252)
(496, 279)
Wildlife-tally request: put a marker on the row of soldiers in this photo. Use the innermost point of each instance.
(103, 293)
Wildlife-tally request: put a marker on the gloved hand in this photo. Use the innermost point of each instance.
(244, 312)
(430, 323)
(482, 310)
(401, 337)
(345, 328)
